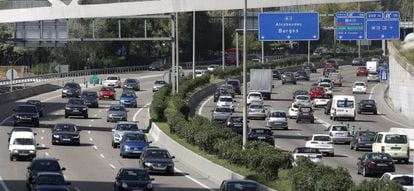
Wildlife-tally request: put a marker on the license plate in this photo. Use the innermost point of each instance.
(382, 164)
(106, 96)
(75, 110)
(23, 154)
(369, 106)
(26, 118)
(395, 148)
(136, 151)
(137, 190)
(66, 139)
(261, 137)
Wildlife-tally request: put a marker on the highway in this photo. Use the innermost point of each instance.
(295, 136)
(92, 165)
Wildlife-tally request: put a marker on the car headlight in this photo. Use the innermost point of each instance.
(126, 147)
(148, 164)
(84, 108)
(64, 91)
(67, 108)
(149, 185)
(171, 164)
(117, 135)
(32, 151)
(124, 185)
(56, 136)
(15, 151)
(76, 136)
(154, 87)
(110, 115)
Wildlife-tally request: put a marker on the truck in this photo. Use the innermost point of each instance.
(261, 80)
(372, 66)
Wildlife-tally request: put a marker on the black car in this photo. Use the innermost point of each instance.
(76, 107)
(362, 140)
(156, 160)
(90, 98)
(38, 105)
(19, 129)
(288, 77)
(305, 114)
(239, 185)
(26, 114)
(132, 84)
(276, 74)
(375, 163)
(156, 66)
(220, 92)
(310, 66)
(261, 134)
(302, 75)
(235, 123)
(128, 179)
(71, 89)
(49, 181)
(236, 85)
(40, 164)
(64, 133)
(367, 105)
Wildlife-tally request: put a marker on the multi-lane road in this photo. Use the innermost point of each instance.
(295, 136)
(93, 165)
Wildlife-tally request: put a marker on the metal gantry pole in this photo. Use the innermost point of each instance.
(309, 50)
(262, 43)
(237, 49)
(172, 73)
(222, 40)
(177, 52)
(194, 47)
(244, 75)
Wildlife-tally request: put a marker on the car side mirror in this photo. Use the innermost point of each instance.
(212, 110)
(152, 179)
(29, 168)
(14, 109)
(79, 130)
(273, 86)
(34, 133)
(173, 157)
(248, 121)
(37, 144)
(63, 168)
(68, 183)
(113, 130)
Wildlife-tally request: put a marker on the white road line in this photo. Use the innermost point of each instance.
(92, 120)
(43, 145)
(42, 138)
(46, 153)
(5, 120)
(95, 115)
(90, 139)
(194, 180)
(112, 166)
(372, 91)
(204, 104)
(142, 108)
(102, 156)
(76, 188)
(100, 110)
(3, 185)
(299, 133)
(89, 132)
(43, 131)
(95, 147)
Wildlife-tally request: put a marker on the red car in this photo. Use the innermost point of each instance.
(362, 71)
(317, 91)
(107, 92)
(331, 63)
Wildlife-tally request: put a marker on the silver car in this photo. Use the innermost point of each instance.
(220, 113)
(277, 119)
(373, 76)
(339, 133)
(120, 128)
(131, 84)
(117, 113)
(158, 84)
(256, 111)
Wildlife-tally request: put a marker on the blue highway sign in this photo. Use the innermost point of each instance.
(289, 26)
(384, 74)
(350, 26)
(383, 25)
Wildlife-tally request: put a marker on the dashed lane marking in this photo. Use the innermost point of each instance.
(102, 156)
(3, 185)
(112, 166)
(194, 180)
(200, 110)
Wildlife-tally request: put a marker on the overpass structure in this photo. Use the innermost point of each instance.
(60, 10)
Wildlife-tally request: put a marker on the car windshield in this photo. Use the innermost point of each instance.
(116, 108)
(237, 186)
(237, 119)
(90, 94)
(404, 180)
(157, 154)
(232, 82)
(379, 156)
(71, 85)
(65, 127)
(278, 114)
(112, 78)
(339, 128)
(317, 89)
(128, 95)
(23, 141)
(327, 85)
(368, 135)
(76, 101)
(28, 109)
(302, 97)
(226, 99)
(367, 102)
(307, 150)
(50, 180)
(130, 81)
(261, 131)
(46, 165)
(127, 127)
(33, 102)
(107, 89)
(160, 82)
(301, 92)
(306, 109)
(362, 68)
(134, 175)
(373, 73)
(345, 103)
(134, 137)
(256, 106)
(295, 106)
(322, 138)
(223, 109)
(396, 139)
(254, 95)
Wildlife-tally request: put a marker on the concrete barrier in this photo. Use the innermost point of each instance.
(27, 92)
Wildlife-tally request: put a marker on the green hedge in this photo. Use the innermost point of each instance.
(159, 103)
(377, 185)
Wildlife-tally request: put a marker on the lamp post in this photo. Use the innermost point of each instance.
(244, 75)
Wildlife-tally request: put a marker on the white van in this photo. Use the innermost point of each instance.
(22, 144)
(395, 144)
(343, 106)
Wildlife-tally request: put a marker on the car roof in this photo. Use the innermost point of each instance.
(277, 110)
(24, 104)
(267, 128)
(255, 93)
(127, 122)
(240, 181)
(155, 149)
(391, 133)
(359, 82)
(22, 128)
(133, 168)
(44, 158)
(23, 134)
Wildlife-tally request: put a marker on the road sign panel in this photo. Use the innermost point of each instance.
(384, 26)
(350, 26)
(384, 74)
(289, 26)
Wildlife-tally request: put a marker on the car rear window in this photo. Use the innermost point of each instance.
(241, 186)
(112, 78)
(322, 138)
(404, 180)
(396, 139)
(256, 106)
(278, 114)
(345, 103)
(339, 128)
(380, 156)
(226, 99)
(308, 150)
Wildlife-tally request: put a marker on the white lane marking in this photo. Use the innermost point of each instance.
(194, 180)
(3, 185)
(372, 91)
(43, 145)
(92, 120)
(102, 156)
(5, 120)
(112, 166)
(299, 133)
(46, 153)
(89, 132)
(142, 108)
(43, 131)
(204, 104)
(95, 115)
(100, 110)
(42, 138)
(76, 188)
(95, 147)
(324, 123)
(90, 139)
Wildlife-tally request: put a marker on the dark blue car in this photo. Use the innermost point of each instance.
(128, 99)
(132, 144)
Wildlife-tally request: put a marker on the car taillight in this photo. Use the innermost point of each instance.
(371, 164)
(228, 123)
(408, 151)
(382, 148)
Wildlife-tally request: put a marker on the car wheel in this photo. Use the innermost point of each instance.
(113, 144)
(37, 124)
(364, 172)
(53, 143)
(353, 119)
(66, 116)
(11, 158)
(399, 161)
(375, 113)
(406, 161)
(351, 146)
(332, 154)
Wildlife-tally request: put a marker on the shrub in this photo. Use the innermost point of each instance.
(159, 103)
(377, 185)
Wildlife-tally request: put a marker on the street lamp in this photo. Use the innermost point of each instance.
(244, 76)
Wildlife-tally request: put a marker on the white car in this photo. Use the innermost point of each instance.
(277, 119)
(252, 96)
(22, 144)
(225, 101)
(293, 110)
(114, 81)
(339, 133)
(212, 67)
(313, 154)
(256, 111)
(320, 101)
(405, 180)
(322, 142)
(327, 86)
(199, 73)
(373, 76)
(304, 100)
(359, 87)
